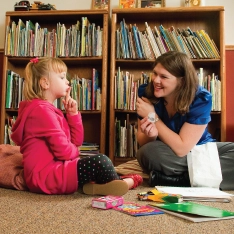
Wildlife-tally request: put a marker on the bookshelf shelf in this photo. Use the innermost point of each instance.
(94, 120)
(210, 19)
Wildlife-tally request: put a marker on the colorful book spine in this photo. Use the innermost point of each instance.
(136, 39)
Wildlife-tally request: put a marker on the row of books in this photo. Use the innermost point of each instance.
(152, 42)
(29, 39)
(89, 149)
(85, 91)
(213, 85)
(15, 84)
(126, 88)
(126, 138)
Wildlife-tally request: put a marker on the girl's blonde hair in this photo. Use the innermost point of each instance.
(35, 70)
(180, 66)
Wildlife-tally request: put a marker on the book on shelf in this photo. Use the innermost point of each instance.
(84, 92)
(117, 38)
(126, 86)
(170, 39)
(20, 27)
(131, 43)
(213, 85)
(187, 47)
(183, 45)
(99, 98)
(94, 88)
(99, 41)
(209, 43)
(125, 41)
(159, 40)
(193, 43)
(137, 42)
(36, 40)
(198, 43)
(197, 193)
(9, 88)
(12, 90)
(152, 40)
(7, 40)
(203, 44)
(75, 47)
(134, 209)
(142, 46)
(15, 91)
(94, 40)
(147, 47)
(173, 34)
(165, 37)
(194, 212)
(7, 130)
(125, 138)
(84, 25)
(29, 39)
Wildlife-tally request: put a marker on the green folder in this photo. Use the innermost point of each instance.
(194, 212)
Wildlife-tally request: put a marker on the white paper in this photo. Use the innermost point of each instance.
(194, 191)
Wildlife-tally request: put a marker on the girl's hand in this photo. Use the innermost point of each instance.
(148, 128)
(70, 104)
(144, 107)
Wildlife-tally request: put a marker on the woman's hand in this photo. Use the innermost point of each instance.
(148, 128)
(70, 104)
(144, 107)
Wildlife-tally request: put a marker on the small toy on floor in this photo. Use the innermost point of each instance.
(155, 195)
(107, 202)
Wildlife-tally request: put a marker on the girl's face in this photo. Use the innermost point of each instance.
(58, 86)
(164, 83)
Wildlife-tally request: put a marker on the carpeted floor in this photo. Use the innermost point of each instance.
(25, 212)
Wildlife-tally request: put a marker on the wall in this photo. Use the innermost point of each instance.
(81, 4)
(229, 92)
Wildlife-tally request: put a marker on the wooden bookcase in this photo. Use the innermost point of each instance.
(211, 19)
(94, 120)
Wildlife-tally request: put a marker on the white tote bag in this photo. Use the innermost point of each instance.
(204, 166)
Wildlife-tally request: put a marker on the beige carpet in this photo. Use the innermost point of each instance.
(25, 212)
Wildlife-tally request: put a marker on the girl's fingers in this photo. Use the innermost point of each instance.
(67, 97)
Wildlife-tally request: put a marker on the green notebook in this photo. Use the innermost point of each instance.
(194, 212)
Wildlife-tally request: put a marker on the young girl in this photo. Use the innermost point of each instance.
(49, 141)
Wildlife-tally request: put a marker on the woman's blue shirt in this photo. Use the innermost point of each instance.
(199, 113)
